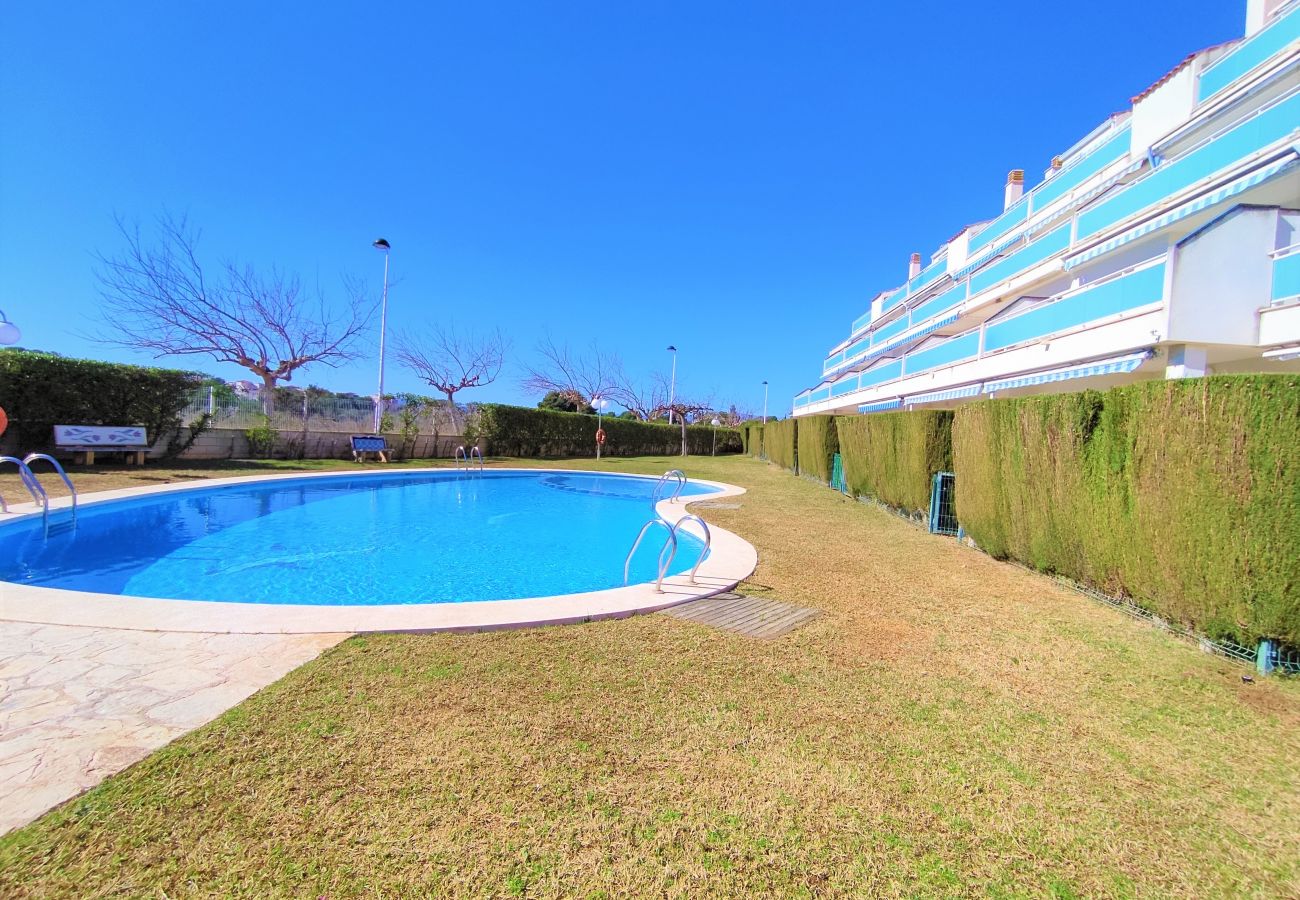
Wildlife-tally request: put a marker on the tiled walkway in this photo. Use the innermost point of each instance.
(79, 704)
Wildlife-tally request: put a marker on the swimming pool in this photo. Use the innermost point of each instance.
(434, 537)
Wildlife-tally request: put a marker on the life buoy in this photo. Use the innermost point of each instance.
(600, 436)
(4, 420)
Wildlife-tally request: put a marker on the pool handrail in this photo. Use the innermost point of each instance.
(663, 566)
(33, 457)
(708, 539)
(29, 481)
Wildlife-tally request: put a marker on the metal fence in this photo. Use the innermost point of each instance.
(305, 412)
(943, 504)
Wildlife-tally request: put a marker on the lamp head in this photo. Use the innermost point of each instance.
(672, 348)
(381, 244)
(9, 333)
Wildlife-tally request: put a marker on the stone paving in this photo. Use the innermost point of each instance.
(79, 704)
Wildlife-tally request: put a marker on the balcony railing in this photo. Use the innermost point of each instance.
(1128, 290)
(1269, 125)
(1286, 274)
(1055, 241)
(1250, 53)
(1076, 174)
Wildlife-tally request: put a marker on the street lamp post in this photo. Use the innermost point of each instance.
(716, 422)
(672, 384)
(9, 333)
(764, 402)
(382, 245)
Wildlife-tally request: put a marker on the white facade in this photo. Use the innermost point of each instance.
(1166, 243)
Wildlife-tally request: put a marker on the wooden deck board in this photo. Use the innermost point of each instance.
(751, 616)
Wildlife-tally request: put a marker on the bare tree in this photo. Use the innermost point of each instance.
(641, 397)
(160, 298)
(449, 362)
(577, 376)
(684, 410)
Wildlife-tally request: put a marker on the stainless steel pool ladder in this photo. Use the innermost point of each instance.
(33, 457)
(708, 539)
(662, 483)
(29, 481)
(669, 548)
(466, 460)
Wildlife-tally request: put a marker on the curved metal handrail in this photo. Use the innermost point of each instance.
(475, 452)
(32, 457)
(663, 480)
(663, 565)
(29, 481)
(461, 457)
(708, 539)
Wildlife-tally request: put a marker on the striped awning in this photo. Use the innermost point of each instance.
(880, 406)
(1112, 366)
(1182, 211)
(969, 390)
(876, 352)
(1084, 198)
(987, 254)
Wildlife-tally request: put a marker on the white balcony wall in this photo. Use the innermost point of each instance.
(1164, 109)
(1221, 277)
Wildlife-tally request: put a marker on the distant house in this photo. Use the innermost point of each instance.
(249, 389)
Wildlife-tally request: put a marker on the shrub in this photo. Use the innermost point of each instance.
(818, 441)
(40, 390)
(892, 457)
(520, 431)
(261, 439)
(781, 443)
(1183, 495)
(754, 446)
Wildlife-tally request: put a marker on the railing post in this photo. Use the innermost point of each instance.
(212, 400)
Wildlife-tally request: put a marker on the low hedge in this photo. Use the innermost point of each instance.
(523, 431)
(40, 390)
(892, 457)
(781, 443)
(1183, 495)
(818, 441)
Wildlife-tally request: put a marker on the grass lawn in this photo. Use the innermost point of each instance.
(950, 725)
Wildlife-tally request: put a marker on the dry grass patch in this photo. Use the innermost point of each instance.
(950, 725)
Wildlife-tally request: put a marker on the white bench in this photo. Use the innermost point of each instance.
(86, 440)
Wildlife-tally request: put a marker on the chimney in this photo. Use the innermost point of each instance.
(914, 266)
(1015, 187)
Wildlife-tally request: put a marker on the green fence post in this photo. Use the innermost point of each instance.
(1264, 657)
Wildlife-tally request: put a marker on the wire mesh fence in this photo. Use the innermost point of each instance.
(301, 410)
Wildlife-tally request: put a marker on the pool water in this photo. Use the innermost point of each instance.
(349, 539)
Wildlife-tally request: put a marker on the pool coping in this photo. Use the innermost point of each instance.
(731, 560)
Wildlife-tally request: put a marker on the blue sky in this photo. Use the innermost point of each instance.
(737, 179)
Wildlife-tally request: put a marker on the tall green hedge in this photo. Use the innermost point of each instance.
(780, 441)
(754, 446)
(818, 442)
(893, 456)
(1184, 495)
(528, 432)
(40, 390)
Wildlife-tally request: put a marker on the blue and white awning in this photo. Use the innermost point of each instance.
(1182, 211)
(880, 406)
(1083, 198)
(875, 353)
(969, 390)
(987, 254)
(1113, 366)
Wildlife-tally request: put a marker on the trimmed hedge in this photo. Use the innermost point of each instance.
(754, 444)
(40, 390)
(1183, 495)
(892, 457)
(781, 443)
(818, 442)
(523, 431)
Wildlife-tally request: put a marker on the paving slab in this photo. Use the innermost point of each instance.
(78, 704)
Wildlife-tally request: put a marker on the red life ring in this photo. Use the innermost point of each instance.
(4, 420)
(600, 436)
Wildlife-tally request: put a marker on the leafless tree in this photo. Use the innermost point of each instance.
(641, 397)
(684, 410)
(158, 297)
(450, 362)
(578, 376)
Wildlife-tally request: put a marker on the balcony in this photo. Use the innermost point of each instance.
(1056, 241)
(1286, 275)
(1249, 54)
(1072, 177)
(1130, 290)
